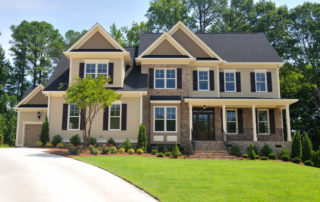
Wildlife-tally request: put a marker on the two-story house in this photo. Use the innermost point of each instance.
(185, 87)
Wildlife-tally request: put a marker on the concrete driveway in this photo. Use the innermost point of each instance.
(31, 175)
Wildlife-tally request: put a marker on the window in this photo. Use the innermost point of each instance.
(263, 123)
(261, 81)
(74, 117)
(229, 82)
(203, 80)
(165, 119)
(96, 69)
(165, 78)
(115, 111)
(231, 121)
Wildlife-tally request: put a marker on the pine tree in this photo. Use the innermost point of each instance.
(296, 146)
(44, 137)
(306, 148)
(142, 138)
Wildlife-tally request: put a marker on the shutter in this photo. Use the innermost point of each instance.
(195, 80)
(111, 72)
(105, 118)
(124, 117)
(238, 81)
(64, 116)
(179, 78)
(240, 121)
(269, 80)
(83, 118)
(81, 70)
(257, 127)
(272, 122)
(211, 79)
(253, 81)
(151, 78)
(221, 78)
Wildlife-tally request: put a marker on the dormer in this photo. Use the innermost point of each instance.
(97, 53)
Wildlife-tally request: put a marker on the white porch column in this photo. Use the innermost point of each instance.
(254, 123)
(190, 120)
(288, 123)
(224, 123)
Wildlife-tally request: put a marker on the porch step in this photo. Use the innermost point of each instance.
(209, 145)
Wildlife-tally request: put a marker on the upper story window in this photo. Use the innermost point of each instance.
(115, 117)
(95, 69)
(230, 81)
(261, 85)
(263, 121)
(165, 78)
(74, 117)
(231, 121)
(203, 80)
(165, 119)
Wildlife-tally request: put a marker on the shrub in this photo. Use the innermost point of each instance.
(39, 143)
(168, 154)
(131, 151)
(160, 155)
(105, 150)
(256, 156)
(75, 140)
(56, 140)
(273, 156)
(252, 146)
(111, 142)
(265, 150)
(306, 148)
(99, 148)
(283, 152)
(126, 144)
(48, 144)
(113, 150)
(122, 150)
(245, 156)
(92, 141)
(308, 163)
(142, 138)
(60, 145)
(285, 157)
(44, 136)
(140, 151)
(296, 146)
(251, 151)
(235, 150)
(93, 150)
(296, 160)
(175, 150)
(316, 158)
(264, 158)
(73, 149)
(154, 152)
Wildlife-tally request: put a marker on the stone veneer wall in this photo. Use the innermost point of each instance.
(275, 145)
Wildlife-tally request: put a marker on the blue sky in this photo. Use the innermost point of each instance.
(79, 14)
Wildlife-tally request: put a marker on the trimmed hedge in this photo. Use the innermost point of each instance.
(296, 160)
(75, 140)
(56, 140)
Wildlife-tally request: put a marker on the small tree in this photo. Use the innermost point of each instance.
(296, 146)
(44, 137)
(175, 150)
(306, 148)
(142, 138)
(90, 94)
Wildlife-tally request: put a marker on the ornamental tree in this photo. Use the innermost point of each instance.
(90, 96)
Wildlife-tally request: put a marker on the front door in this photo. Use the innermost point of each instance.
(203, 124)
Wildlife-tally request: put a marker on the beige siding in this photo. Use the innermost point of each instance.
(133, 122)
(39, 98)
(97, 41)
(209, 93)
(165, 48)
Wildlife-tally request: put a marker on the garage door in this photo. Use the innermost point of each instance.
(32, 134)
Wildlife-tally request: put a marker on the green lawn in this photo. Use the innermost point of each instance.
(4, 146)
(213, 180)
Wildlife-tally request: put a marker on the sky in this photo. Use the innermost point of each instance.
(79, 14)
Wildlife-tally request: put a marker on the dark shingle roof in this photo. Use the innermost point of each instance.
(165, 97)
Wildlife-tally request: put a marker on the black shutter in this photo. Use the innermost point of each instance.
(238, 81)
(221, 78)
(179, 78)
(269, 80)
(124, 117)
(240, 121)
(272, 122)
(81, 70)
(111, 72)
(64, 116)
(105, 118)
(253, 81)
(83, 117)
(195, 80)
(151, 78)
(211, 80)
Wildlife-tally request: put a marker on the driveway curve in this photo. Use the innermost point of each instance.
(31, 175)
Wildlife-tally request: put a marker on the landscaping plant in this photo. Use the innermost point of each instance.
(111, 142)
(316, 158)
(168, 154)
(160, 155)
(131, 151)
(273, 156)
(265, 150)
(48, 144)
(39, 143)
(296, 146)
(113, 150)
(142, 138)
(60, 145)
(56, 140)
(284, 155)
(92, 141)
(175, 150)
(264, 158)
(44, 136)
(296, 160)
(306, 148)
(126, 144)
(93, 150)
(140, 151)
(308, 163)
(72, 149)
(75, 140)
(245, 156)
(154, 152)
(251, 152)
(122, 150)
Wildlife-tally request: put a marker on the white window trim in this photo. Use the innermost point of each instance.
(236, 121)
(165, 119)
(165, 78)
(265, 76)
(96, 62)
(68, 123)
(198, 72)
(268, 133)
(234, 80)
(109, 117)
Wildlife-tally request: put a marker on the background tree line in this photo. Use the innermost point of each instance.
(295, 34)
